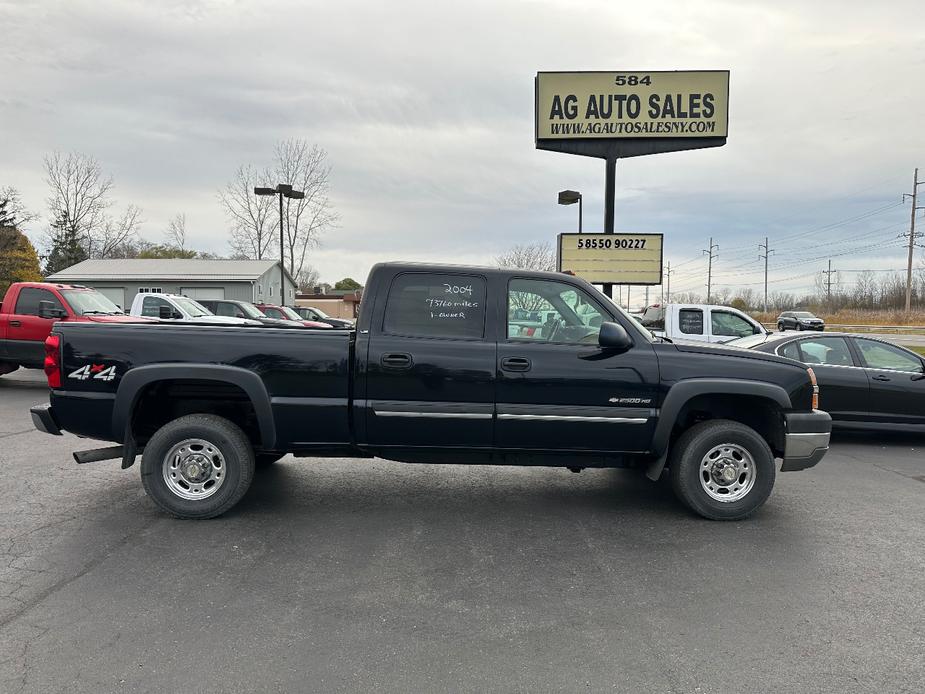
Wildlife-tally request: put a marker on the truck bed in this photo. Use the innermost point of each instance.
(304, 375)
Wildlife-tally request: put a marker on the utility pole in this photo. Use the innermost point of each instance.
(647, 296)
(666, 293)
(915, 187)
(711, 256)
(767, 252)
(828, 283)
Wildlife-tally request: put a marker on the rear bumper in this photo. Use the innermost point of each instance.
(806, 439)
(44, 420)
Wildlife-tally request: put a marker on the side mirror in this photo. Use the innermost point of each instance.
(47, 309)
(167, 313)
(614, 336)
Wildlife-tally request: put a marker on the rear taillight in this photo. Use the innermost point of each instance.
(812, 378)
(52, 364)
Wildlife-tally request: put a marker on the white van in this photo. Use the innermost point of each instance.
(180, 308)
(699, 322)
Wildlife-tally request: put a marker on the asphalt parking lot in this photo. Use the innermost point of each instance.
(341, 575)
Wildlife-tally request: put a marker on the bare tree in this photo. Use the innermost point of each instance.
(252, 217)
(79, 194)
(176, 232)
(13, 213)
(116, 232)
(529, 256)
(306, 168)
(307, 279)
(80, 202)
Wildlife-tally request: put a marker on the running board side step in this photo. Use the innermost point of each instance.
(96, 454)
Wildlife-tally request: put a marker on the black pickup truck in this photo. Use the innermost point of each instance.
(447, 364)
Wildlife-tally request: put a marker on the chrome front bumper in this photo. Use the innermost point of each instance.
(806, 439)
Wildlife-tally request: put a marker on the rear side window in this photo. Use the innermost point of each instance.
(27, 304)
(690, 321)
(434, 305)
(791, 350)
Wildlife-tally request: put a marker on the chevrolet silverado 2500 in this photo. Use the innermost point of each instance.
(438, 370)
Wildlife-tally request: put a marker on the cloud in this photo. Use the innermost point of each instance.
(426, 111)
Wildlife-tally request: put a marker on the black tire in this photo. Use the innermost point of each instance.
(799, 327)
(685, 471)
(780, 327)
(237, 466)
(265, 460)
(7, 368)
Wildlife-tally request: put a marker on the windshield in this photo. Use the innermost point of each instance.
(319, 312)
(803, 314)
(290, 313)
(85, 301)
(251, 311)
(629, 319)
(192, 308)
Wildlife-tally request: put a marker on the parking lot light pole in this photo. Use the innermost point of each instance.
(284, 190)
(570, 197)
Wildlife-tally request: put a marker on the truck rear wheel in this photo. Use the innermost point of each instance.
(7, 368)
(722, 470)
(197, 466)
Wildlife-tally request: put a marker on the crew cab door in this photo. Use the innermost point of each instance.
(557, 389)
(843, 386)
(26, 330)
(430, 367)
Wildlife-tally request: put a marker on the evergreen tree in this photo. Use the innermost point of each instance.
(66, 246)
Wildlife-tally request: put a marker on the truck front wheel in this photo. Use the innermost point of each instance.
(722, 470)
(197, 466)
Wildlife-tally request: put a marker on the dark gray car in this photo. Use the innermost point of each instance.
(799, 320)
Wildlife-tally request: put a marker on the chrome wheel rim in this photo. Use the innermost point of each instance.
(727, 472)
(194, 469)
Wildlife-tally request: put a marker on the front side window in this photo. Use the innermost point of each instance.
(550, 311)
(151, 306)
(226, 309)
(690, 321)
(830, 351)
(29, 297)
(436, 305)
(729, 324)
(879, 355)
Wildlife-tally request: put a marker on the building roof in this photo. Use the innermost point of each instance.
(144, 269)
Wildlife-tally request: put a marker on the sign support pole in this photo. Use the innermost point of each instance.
(610, 185)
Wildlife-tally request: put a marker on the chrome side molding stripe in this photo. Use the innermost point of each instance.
(574, 418)
(434, 415)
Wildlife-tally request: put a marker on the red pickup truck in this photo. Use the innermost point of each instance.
(30, 308)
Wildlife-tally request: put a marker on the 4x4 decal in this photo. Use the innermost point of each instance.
(99, 372)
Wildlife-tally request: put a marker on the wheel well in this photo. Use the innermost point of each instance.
(761, 414)
(163, 401)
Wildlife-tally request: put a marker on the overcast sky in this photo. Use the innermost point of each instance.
(426, 111)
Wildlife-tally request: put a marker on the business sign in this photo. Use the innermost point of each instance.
(612, 258)
(618, 105)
